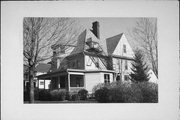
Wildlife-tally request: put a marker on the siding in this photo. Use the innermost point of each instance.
(92, 79)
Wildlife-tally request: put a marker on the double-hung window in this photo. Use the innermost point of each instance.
(124, 48)
(106, 78)
(126, 65)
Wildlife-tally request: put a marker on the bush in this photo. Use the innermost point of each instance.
(149, 92)
(83, 94)
(125, 93)
(115, 95)
(58, 95)
(75, 97)
(36, 94)
(44, 95)
(101, 95)
(68, 96)
(27, 96)
(132, 93)
(98, 86)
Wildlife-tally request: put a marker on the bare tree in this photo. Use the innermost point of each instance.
(39, 34)
(145, 33)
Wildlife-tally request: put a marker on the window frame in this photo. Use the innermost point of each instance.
(126, 65)
(107, 78)
(124, 48)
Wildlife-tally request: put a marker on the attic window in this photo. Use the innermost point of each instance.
(124, 48)
(62, 49)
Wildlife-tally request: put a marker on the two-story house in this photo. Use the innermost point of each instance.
(92, 61)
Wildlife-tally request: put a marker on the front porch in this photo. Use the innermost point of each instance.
(71, 81)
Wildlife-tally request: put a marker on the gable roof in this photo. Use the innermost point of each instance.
(80, 43)
(42, 67)
(112, 43)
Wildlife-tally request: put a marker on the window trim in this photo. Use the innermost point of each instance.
(106, 78)
(126, 65)
(124, 48)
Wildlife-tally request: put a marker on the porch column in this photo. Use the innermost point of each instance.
(58, 82)
(68, 82)
(44, 84)
(84, 82)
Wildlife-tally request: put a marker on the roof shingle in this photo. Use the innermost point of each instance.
(42, 67)
(112, 43)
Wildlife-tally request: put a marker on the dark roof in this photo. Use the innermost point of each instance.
(112, 43)
(80, 43)
(42, 67)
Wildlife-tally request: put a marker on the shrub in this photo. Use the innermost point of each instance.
(68, 96)
(101, 95)
(44, 95)
(149, 92)
(58, 95)
(36, 94)
(98, 86)
(115, 95)
(27, 96)
(125, 93)
(75, 97)
(128, 92)
(83, 94)
(132, 93)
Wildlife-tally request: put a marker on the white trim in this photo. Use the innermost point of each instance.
(75, 73)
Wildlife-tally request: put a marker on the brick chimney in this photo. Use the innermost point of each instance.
(95, 29)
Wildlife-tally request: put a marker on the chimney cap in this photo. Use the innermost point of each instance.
(95, 23)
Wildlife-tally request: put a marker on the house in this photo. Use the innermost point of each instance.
(40, 69)
(152, 76)
(92, 61)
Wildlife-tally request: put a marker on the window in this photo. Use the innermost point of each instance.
(106, 79)
(41, 82)
(126, 65)
(126, 77)
(124, 48)
(76, 81)
(62, 49)
(118, 78)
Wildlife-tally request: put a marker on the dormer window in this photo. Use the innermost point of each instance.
(124, 48)
(93, 46)
(62, 49)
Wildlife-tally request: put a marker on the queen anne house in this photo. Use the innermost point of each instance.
(92, 61)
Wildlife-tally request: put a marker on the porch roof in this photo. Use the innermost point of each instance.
(65, 72)
(90, 71)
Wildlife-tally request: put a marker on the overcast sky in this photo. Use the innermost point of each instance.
(111, 26)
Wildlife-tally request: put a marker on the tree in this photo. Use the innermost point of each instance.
(139, 68)
(39, 34)
(145, 32)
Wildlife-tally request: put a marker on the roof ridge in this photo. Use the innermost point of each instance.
(115, 35)
(112, 42)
